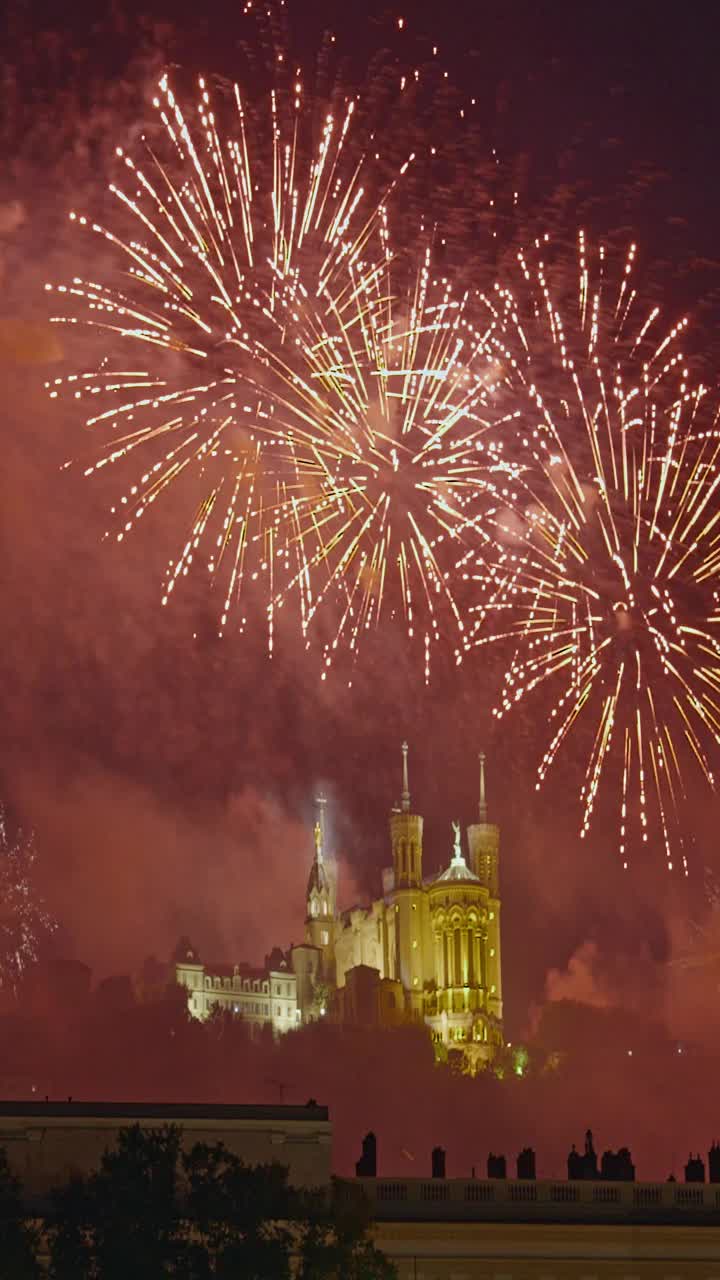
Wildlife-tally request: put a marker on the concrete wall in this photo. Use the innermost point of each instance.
(45, 1149)
(525, 1251)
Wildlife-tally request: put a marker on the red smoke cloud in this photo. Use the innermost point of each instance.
(129, 876)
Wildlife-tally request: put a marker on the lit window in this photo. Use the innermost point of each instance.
(414, 906)
(324, 937)
(492, 915)
(493, 989)
(415, 982)
(414, 944)
(492, 951)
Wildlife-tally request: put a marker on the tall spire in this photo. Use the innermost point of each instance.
(406, 789)
(321, 802)
(482, 807)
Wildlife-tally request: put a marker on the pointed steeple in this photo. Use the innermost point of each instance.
(405, 802)
(482, 807)
(406, 835)
(320, 827)
(318, 842)
(319, 881)
(484, 839)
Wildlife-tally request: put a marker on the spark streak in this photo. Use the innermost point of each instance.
(608, 553)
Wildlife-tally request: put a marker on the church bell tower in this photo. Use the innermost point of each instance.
(321, 899)
(484, 842)
(406, 831)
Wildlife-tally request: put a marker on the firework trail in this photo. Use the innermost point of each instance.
(609, 551)
(23, 918)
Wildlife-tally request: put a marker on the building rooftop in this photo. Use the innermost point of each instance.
(457, 871)
(168, 1111)
(526, 1200)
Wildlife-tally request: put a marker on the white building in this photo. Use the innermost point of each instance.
(259, 996)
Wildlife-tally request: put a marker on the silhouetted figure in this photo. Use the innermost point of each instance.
(526, 1163)
(574, 1164)
(496, 1166)
(694, 1169)
(366, 1166)
(438, 1162)
(617, 1166)
(714, 1162)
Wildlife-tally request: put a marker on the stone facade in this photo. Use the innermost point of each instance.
(427, 950)
(259, 996)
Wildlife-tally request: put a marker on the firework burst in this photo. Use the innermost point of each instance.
(327, 417)
(207, 256)
(385, 412)
(609, 551)
(23, 918)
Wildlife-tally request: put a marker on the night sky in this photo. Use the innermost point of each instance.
(170, 778)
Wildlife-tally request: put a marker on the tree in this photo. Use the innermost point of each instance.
(240, 1213)
(125, 1219)
(135, 1199)
(153, 1211)
(69, 1232)
(18, 1240)
(334, 1239)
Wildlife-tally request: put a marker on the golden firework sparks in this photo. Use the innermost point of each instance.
(327, 404)
(609, 551)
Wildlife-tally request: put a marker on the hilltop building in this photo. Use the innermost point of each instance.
(426, 950)
(259, 996)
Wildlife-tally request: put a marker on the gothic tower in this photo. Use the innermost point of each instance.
(320, 917)
(328, 856)
(484, 843)
(406, 830)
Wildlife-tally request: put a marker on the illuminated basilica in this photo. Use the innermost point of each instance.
(427, 950)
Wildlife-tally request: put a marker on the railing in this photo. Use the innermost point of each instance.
(498, 1199)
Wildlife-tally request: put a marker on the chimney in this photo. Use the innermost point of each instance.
(366, 1166)
(526, 1163)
